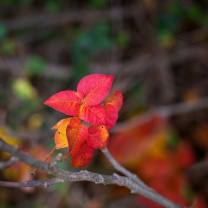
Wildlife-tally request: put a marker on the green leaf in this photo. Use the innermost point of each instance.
(87, 45)
(101, 4)
(52, 7)
(23, 89)
(122, 39)
(173, 139)
(35, 66)
(8, 47)
(3, 31)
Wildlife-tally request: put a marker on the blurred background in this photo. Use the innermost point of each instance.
(157, 51)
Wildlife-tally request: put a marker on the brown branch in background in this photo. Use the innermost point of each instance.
(8, 163)
(66, 176)
(197, 174)
(134, 67)
(46, 20)
(165, 111)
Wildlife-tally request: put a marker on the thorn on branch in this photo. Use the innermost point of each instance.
(46, 185)
(99, 179)
(116, 176)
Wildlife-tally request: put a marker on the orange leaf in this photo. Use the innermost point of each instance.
(60, 135)
(93, 114)
(61, 123)
(83, 156)
(98, 137)
(94, 88)
(76, 135)
(115, 99)
(67, 102)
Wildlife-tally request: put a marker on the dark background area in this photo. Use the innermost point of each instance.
(157, 51)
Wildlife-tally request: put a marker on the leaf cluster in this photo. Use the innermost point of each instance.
(85, 105)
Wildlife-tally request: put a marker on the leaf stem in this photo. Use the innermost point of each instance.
(50, 153)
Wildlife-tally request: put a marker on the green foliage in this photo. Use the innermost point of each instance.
(35, 66)
(54, 6)
(16, 2)
(98, 4)
(173, 139)
(3, 32)
(88, 44)
(188, 193)
(196, 14)
(138, 95)
(23, 89)
(8, 47)
(122, 39)
(169, 23)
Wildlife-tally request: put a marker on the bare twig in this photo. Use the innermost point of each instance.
(185, 107)
(67, 176)
(165, 111)
(8, 163)
(43, 184)
(198, 172)
(121, 169)
(127, 173)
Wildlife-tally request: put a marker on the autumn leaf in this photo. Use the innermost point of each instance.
(76, 134)
(83, 156)
(111, 116)
(115, 99)
(67, 102)
(98, 137)
(131, 144)
(85, 105)
(185, 155)
(93, 114)
(94, 88)
(60, 135)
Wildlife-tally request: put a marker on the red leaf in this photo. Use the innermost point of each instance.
(76, 135)
(115, 99)
(67, 102)
(83, 156)
(111, 116)
(94, 88)
(93, 114)
(60, 135)
(98, 137)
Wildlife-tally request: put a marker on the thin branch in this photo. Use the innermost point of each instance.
(44, 184)
(67, 176)
(121, 169)
(198, 172)
(185, 107)
(165, 111)
(127, 173)
(8, 163)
